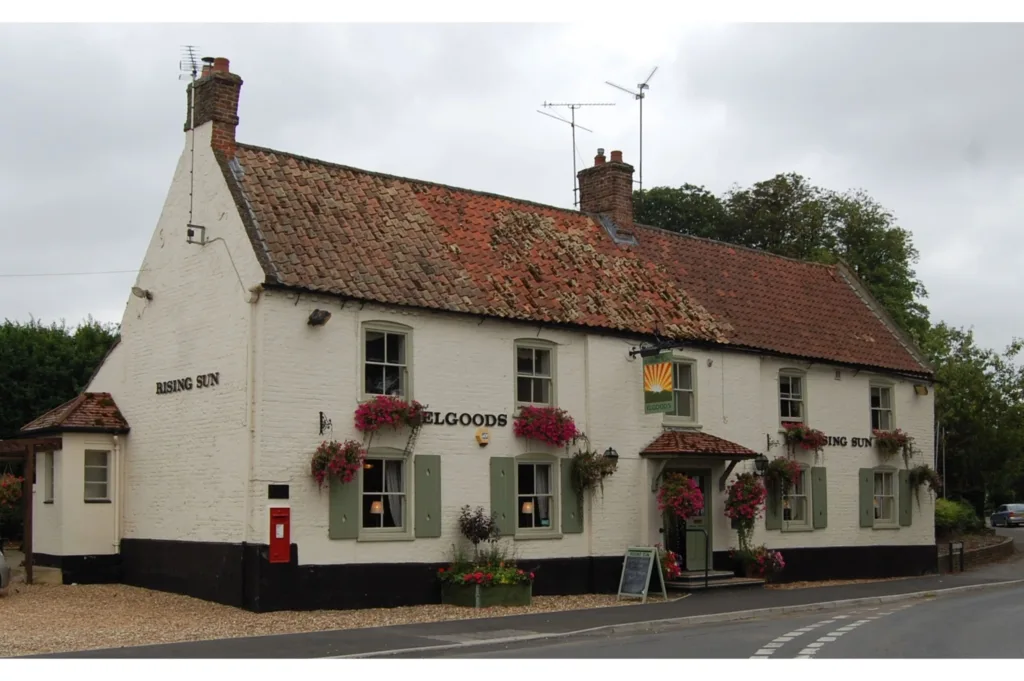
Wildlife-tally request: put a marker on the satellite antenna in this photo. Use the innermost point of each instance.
(639, 94)
(571, 121)
(189, 67)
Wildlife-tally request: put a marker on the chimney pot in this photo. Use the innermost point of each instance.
(599, 159)
(221, 64)
(616, 157)
(607, 189)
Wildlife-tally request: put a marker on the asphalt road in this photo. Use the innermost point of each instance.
(980, 624)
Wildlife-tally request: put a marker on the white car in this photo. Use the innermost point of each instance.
(5, 570)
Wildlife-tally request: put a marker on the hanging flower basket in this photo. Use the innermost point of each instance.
(744, 504)
(922, 475)
(10, 490)
(343, 460)
(783, 472)
(589, 469)
(550, 425)
(680, 495)
(799, 435)
(893, 442)
(387, 410)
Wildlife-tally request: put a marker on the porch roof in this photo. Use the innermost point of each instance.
(89, 412)
(690, 442)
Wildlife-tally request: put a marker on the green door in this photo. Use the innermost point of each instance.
(697, 556)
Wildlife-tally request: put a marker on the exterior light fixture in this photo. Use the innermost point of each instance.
(761, 463)
(318, 317)
(377, 507)
(143, 293)
(611, 453)
(921, 389)
(527, 507)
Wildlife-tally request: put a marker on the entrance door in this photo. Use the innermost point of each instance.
(696, 558)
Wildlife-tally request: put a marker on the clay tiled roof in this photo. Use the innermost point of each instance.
(18, 446)
(88, 412)
(691, 442)
(328, 228)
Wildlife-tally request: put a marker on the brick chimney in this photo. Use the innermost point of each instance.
(607, 188)
(216, 100)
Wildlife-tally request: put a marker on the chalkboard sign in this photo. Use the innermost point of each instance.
(636, 572)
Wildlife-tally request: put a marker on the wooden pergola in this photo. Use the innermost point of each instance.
(24, 450)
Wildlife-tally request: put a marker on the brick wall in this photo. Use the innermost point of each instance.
(975, 558)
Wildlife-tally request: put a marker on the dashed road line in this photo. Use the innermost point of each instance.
(811, 649)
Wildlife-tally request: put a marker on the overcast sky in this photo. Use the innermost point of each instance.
(926, 119)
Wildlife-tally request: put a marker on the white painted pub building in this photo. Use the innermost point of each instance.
(279, 292)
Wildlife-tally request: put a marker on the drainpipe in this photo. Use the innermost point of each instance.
(589, 507)
(118, 478)
(250, 392)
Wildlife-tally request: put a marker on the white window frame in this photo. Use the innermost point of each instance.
(787, 496)
(876, 498)
(675, 419)
(802, 377)
(554, 531)
(892, 405)
(405, 532)
(536, 344)
(391, 328)
(86, 466)
(49, 477)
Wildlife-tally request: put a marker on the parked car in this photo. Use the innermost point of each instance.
(1008, 515)
(5, 569)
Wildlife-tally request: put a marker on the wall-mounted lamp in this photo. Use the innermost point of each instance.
(318, 317)
(527, 507)
(611, 453)
(920, 389)
(377, 507)
(143, 293)
(761, 463)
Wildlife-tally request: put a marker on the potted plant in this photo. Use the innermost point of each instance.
(491, 577)
(341, 459)
(589, 469)
(388, 410)
(893, 442)
(680, 495)
(782, 472)
(550, 425)
(744, 504)
(800, 435)
(760, 562)
(669, 563)
(922, 475)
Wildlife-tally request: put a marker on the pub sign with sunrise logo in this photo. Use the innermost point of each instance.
(658, 383)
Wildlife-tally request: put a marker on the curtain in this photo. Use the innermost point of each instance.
(393, 483)
(543, 491)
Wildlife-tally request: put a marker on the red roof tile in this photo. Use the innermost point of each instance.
(88, 411)
(692, 442)
(338, 230)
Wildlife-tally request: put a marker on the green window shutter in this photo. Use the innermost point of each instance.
(503, 493)
(906, 509)
(773, 508)
(572, 504)
(343, 519)
(819, 498)
(427, 495)
(867, 497)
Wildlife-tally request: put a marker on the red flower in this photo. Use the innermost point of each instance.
(531, 575)
(545, 424)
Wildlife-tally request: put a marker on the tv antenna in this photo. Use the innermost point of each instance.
(571, 121)
(639, 95)
(189, 67)
(189, 64)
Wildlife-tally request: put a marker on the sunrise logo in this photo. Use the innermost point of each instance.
(658, 377)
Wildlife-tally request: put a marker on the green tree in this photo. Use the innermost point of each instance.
(44, 366)
(689, 209)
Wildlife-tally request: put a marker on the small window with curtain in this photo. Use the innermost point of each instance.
(796, 501)
(384, 494)
(885, 498)
(535, 496)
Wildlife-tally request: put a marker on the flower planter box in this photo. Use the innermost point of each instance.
(465, 595)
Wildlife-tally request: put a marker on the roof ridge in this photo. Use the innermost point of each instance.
(402, 178)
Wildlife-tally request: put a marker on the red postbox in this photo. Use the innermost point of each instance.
(280, 535)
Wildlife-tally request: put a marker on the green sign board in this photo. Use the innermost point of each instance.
(636, 573)
(658, 383)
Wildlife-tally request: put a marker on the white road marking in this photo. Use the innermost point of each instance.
(831, 637)
(808, 651)
(811, 649)
(773, 645)
(765, 651)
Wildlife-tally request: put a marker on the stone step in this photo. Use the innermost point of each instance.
(720, 583)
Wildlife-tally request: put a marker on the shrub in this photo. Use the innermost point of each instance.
(956, 517)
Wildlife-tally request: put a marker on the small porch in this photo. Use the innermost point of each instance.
(709, 460)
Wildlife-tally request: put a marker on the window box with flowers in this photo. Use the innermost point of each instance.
(893, 442)
(800, 435)
(490, 577)
(387, 410)
(550, 425)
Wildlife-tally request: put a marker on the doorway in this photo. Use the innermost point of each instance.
(690, 544)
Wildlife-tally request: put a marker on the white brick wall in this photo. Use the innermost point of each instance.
(187, 453)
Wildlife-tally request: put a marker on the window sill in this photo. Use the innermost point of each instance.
(97, 501)
(48, 502)
(530, 536)
(385, 536)
(797, 528)
(675, 422)
(885, 526)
